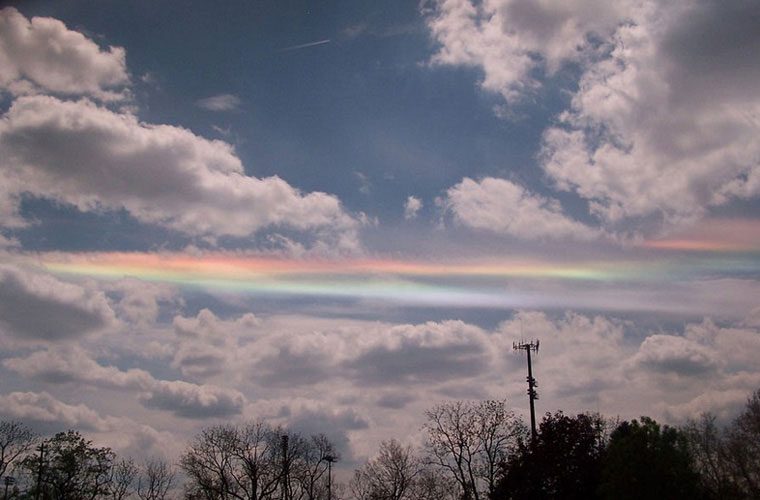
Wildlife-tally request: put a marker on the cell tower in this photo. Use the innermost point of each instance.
(532, 384)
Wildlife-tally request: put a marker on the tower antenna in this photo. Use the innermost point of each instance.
(532, 384)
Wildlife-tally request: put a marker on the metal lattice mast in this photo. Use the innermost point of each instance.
(285, 468)
(532, 384)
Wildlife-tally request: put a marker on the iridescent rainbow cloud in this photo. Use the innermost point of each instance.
(713, 235)
(482, 283)
(185, 268)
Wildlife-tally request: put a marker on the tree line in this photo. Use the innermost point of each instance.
(472, 451)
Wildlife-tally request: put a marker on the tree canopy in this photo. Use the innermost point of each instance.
(647, 460)
(564, 461)
(472, 450)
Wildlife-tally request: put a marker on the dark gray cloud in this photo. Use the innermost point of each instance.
(38, 306)
(334, 424)
(413, 363)
(288, 368)
(714, 46)
(394, 400)
(198, 360)
(193, 401)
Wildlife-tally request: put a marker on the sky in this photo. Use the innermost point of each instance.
(335, 215)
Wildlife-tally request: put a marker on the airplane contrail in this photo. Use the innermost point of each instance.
(305, 45)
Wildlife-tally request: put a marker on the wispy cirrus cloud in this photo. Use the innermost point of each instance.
(221, 102)
(305, 45)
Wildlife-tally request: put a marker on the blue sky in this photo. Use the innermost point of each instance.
(285, 211)
(364, 110)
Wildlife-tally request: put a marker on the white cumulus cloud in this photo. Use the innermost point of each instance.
(663, 125)
(93, 158)
(42, 54)
(503, 207)
(666, 125)
(411, 207)
(509, 39)
(42, 408)
(183, 398)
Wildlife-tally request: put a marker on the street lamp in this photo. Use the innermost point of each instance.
(9, 480)
(330, 459)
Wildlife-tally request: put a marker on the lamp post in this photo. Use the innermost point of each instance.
(9, 480)
(329, 459)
